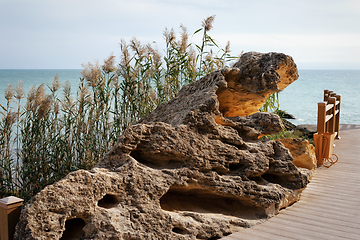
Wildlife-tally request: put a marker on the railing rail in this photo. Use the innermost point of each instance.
(329, 114)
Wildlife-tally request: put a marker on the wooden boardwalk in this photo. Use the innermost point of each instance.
(329, 208)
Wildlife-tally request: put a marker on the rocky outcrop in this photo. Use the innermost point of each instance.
(302, 152)
(192, 169)
(307, 131)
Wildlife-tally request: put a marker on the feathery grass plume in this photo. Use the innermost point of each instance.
(169, 35)
(10, 118)
(45, 106)
(192, 59)
(184, 38)
(67, 103)
(84, 94)
(225, 56)
(227, 48)
(55, 84)
(155, 54)
(39, 96)
(136, 46)
(30, 98)
(207, 41)
(91, 73)
(207, 23)
(9, 92)
(109, 64)
(125, 58)
(19, 91)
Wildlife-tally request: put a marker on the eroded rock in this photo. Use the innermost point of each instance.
(302, 151)
(192, 169)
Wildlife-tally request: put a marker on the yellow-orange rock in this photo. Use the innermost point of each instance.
(252, 80)
(302, 151)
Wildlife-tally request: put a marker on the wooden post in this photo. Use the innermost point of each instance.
(10, 208)
(332, 94)
(337, 119)
(331, 124)
(326, 95)
(321, 117)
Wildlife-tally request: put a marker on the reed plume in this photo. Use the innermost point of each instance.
(207, 23)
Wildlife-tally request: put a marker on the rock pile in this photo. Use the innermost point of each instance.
(192, 169)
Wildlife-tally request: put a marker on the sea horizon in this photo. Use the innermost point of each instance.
(295, 99)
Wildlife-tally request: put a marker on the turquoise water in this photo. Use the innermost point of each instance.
(36, 77)
(300, 98)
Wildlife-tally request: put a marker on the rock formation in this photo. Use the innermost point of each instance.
(192, 169)
(302, 152)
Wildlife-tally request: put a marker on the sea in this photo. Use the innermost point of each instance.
(299, 99)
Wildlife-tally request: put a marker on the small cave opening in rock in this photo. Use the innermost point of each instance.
(236, 166)
(109, 201)
(158, 160)
(259, 180)
(180, 230)
(283, 180)
(206, 202)
(271, 178)
(277, 179)
(73, 229)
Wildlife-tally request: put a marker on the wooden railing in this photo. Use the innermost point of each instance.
(328, 125)
(10, 208)
(329, 114)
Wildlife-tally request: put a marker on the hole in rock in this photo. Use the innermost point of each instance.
(109, 201)
(73, 229)
(206, 202)
(179, 230)
(158, 160)
(235, 166)
(259, 180)
(272, 178)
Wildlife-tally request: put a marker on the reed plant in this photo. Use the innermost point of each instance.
(55, 132)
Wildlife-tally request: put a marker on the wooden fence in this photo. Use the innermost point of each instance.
(329, 114)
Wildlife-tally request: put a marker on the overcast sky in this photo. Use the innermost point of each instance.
(62, 34)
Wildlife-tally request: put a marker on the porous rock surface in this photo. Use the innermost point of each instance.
(194, 168)
(302, 151)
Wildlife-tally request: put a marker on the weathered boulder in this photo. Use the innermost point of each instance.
(307, 130)
(192, 169)
(302, 152)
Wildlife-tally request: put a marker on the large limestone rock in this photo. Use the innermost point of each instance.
(192, 169)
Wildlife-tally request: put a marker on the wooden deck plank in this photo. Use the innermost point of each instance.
(343, 219)
(320, 222)
(329, 207)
